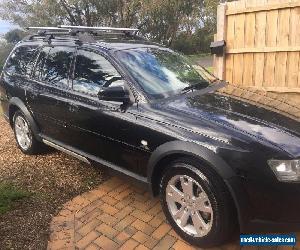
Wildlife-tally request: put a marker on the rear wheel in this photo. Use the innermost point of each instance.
(197, 204)
(24, 136)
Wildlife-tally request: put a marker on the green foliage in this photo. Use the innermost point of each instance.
(8, 195)
(5, 49)
(186, 25)
(14, 35)
(188, 43)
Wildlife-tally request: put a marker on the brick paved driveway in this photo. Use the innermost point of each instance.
(116, 215)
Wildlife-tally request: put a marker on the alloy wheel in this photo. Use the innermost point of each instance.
(189, 205)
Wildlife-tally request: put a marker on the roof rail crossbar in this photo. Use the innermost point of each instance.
(87, 28)
(48, 29)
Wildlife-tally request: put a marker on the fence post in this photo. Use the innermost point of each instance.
(219, 61)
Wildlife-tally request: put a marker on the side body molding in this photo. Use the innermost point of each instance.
(18, 103)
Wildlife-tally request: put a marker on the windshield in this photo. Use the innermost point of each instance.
(161, 72)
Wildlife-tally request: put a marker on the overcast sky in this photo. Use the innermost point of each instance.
(6, 26)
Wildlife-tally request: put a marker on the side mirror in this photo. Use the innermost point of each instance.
(114, 94)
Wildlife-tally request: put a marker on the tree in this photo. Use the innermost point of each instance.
(161, 20)
(14, 35)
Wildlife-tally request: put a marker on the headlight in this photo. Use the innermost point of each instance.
(287, 171)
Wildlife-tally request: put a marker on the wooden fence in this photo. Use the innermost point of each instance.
(263, 44)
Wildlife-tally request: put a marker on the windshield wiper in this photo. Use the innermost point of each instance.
(200, 85)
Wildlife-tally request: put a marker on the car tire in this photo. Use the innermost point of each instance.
(25, 139)
(197, 203)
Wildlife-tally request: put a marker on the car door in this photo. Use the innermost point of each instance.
(48, 95)
(101, 128)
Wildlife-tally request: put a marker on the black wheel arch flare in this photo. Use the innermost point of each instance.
(16, 103)
(189, 149)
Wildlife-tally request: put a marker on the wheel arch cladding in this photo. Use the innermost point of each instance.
(16, 104)
(170, 151)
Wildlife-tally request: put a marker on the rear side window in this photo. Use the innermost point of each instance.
(93, 72)
(54, 64)
(21, 61)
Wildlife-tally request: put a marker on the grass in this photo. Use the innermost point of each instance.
(8, 195)
(195, 58)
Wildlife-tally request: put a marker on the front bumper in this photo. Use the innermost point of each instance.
(266, 206)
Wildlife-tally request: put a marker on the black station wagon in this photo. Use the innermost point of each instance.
(109, 97)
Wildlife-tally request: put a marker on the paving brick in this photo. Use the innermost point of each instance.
(107, 230)
(166, 243)
(179, 245)
(124, 222)
(140, 237)
(141, 215)
(130, 230)
(123, 213)
(97, 193)
(155, 209)
(155, 222)
(85, 218)
(60, 244)
(124, 194)
(129, 244)
(106, 243)
(109, 209)
(109, 200)
(122, 237)
(141, 247)
(92, 247)
(150, 243)
(108, 219)
(174, 234)
(143, 227)
(161, 231)
(88, 227)
(118, 190)
(125, 202)
(87, 240)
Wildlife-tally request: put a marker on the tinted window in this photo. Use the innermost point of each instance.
(93, 72)
(21, 60)
(40, 63)
(57, 66)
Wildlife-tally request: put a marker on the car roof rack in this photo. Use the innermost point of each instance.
(83, 33)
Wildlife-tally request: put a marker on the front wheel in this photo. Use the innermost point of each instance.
(197, 204)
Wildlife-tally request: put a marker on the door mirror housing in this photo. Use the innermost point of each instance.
(114, 94)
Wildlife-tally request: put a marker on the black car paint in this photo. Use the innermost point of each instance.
(235, 138)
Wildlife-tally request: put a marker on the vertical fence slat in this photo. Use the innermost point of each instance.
(239, 42)
(221, 35)
(282, 41)
(260, 42)
(271, 41)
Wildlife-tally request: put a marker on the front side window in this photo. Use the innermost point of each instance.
(57, 66)
(93, 72)
(161, 72)
(21, 60)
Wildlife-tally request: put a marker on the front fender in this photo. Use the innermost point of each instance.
(231, 180)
